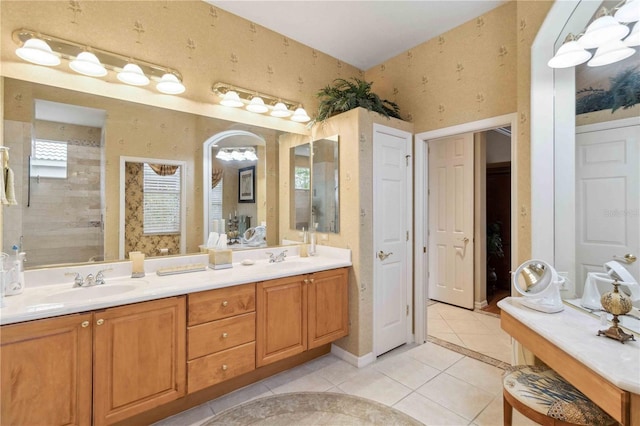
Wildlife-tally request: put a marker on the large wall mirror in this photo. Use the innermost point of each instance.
(585, 164)
(315, 192)
(88, 225)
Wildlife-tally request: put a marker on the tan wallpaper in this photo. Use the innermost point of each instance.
(478, 70)
(134, 238)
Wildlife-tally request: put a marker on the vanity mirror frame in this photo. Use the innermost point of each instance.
(183, 199)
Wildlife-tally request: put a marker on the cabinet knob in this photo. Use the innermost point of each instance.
(306, 281)
(311, 280)
(85, 324)
(225, 303)
(224, 367)
(225, 335)
(100, 321)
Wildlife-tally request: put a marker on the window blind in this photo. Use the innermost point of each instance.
(161, 202)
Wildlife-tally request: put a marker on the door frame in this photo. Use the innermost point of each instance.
(379, 128)
(421, 162)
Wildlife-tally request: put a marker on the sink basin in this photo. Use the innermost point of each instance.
(86, 293)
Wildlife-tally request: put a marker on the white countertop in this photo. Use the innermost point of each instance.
(46, 291)
(575, 332)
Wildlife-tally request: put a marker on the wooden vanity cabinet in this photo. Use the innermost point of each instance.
(221, 335)
(138, 356)
(300, 313)
(45, 372)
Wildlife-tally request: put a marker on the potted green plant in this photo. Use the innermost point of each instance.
(345, 95)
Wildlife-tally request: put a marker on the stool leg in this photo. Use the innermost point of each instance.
(507, 412)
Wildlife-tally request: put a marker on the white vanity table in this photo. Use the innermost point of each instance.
(606, 371)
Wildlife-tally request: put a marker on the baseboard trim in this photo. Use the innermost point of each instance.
(480, 305)
(351, 358)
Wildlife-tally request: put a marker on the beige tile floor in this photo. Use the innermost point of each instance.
(433, 384)
(476, 331)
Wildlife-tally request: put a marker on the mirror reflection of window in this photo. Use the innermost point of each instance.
(303, 178)
(161, 198)
(48, 159)
(215, 201)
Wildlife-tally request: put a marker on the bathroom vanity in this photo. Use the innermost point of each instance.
(137, 355)
(605, 370)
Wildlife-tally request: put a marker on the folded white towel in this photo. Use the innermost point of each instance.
(10, 192)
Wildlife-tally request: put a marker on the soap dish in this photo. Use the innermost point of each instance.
(247, 262)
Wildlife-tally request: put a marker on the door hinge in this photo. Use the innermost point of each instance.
(407, 310)
(407, 235)
(406, 157)
(424, 249)
(428, 192)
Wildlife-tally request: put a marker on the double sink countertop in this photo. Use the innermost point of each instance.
(49, 292)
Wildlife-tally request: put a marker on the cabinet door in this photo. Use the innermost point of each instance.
(328, 306)
(281, 325)
(45, 376)
(140, 358)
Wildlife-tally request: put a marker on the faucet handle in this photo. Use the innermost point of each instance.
(100, 275)
(89, 280)
(77, 280)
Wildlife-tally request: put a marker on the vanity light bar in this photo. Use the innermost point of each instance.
(245, 96)
(116, 62)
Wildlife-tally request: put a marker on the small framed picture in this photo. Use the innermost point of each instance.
(247, 185)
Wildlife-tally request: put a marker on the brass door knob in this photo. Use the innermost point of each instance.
(225, 303)
(225, 335)
(100, 321)
(85, 324)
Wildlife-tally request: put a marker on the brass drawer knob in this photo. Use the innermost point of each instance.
(225, 303)
(85, 324)
(225, 335)
(224, 367)
(100, 321)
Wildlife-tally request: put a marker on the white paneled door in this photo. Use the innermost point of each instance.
(450, 248)
(607, 198)
(392, 212)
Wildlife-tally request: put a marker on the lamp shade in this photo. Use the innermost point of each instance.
(250, 155)
(88, 64)
(611, 52)
(633, 39)
(132, 74)
(602, 30)
(231, 99)
(37, 51)
(570, 54)
(629, 12)
(280, 110)
(170, 84)
(257, 105)
(300, 115)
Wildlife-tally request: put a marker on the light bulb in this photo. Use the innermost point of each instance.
(37, 51)
(132, 74)
(257, 105)
(88, 64)
(300, 115)
(231, 99)
(280, 110)
(170, 85)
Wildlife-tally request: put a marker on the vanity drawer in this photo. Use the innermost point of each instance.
(221, 303)
(210, 370)
(215, 336)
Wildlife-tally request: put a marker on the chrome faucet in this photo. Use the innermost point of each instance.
(90, 280)
(278, 258)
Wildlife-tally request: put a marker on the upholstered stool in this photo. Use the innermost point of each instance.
(540, 394)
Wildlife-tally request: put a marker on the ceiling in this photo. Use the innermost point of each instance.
(362, 33)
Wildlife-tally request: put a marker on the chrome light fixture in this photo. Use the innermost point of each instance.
(259, 103)
(132, 74)
(88, 64)
(47, 50)
(39, 52)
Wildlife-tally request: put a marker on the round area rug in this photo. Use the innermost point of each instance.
(312, 408)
